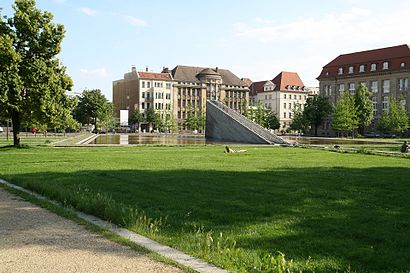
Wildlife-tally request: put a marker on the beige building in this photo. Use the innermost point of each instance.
(282, 94)
(183, 89)
(385, 71)
(194, 85)
(142, 90)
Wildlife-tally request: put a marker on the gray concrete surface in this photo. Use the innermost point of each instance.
(33, 239)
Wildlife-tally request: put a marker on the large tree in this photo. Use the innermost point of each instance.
(271, 120)
(317, 109)
(396, 119)
(345, 115)
(33, 83)
(92, 107)
(299, 121)
(364, 107)
(136, 118)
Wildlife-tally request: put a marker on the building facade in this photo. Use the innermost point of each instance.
(194, 85)
(181, 91)
(143, 90)
(385, 71)
(282, 94)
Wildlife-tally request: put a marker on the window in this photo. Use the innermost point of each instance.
(284, 114)
(300, 97)
(340, 71)
(374, 86)
(284, 105)
(284, 96)
(361, 68)
(290, 105)
(266, 97)
(403, 84)
(148, 85)
(373, 67)
(290, 114)
(402, 64)
(143, 84)
(341, 87)
(294, 96)
(385, 103)
(351, 69)
(168, 86)
(385, 65)
(143, 95)
(386, 86)
(168, 96)
(374, 100)
(351, 87)
(142, 105)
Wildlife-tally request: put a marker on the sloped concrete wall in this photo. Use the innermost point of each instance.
(220, 126)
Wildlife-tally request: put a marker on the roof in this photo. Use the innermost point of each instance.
(395, 55)
(257, 87)
(208, 71)
(189, 74)
(152, 75)
(285, 79)
(247, 81)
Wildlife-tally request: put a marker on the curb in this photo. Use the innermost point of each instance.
(166, 251)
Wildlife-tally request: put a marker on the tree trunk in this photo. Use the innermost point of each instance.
(316, 130)
(15, 120)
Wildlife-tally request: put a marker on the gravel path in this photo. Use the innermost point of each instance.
(33, 239)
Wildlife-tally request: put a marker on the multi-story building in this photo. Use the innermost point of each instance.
(281, 95)
(385, 71)
(194, 85)
(142, 90)
(183, 89)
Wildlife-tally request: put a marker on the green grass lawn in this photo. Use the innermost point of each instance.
(325, 211)
(29, 139)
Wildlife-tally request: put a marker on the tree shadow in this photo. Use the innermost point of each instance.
(358, 217)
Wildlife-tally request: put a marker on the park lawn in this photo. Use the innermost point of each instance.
(29, 139)
(326, 211)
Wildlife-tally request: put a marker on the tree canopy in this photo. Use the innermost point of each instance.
(396, 119)
(33, 83)
(93, 108)
(317, 109)
(364, 107)
(345, 115)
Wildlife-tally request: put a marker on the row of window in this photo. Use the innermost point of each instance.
(402, 85)
(289, 105)
(295, 97)
(147, 84)
(362, 68)
(158, 95)
(157, 106)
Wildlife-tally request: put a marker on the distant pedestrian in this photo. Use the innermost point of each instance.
(404, 148)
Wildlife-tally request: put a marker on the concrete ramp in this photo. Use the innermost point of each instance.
(225, 124)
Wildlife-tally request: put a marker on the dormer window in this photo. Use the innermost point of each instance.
(327, 73)
(361, 68)
(340, 71)
(373, 67)
(402, 64)
(351, 69)
(385, 65)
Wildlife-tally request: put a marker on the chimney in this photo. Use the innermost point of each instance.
(216, 69)
(133, 68)
(146, 69)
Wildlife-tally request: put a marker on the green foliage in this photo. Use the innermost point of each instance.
(33, 83)
(136, 117)
(273, 264)
(150, 115)
(299, 121)
(396, 119)
(345, 114)
(364, 107)
(317, 109)
(271, 120)
(195, 119)
(93, 107)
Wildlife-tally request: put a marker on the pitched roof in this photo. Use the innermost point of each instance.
(257, 87)
(284, 79)
(247, 81)
(395, 55)
(189, 74)
(152, 75)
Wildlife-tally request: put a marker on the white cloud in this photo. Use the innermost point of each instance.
(135, 21)
(98, 72)
(89, 11)
(306, 45)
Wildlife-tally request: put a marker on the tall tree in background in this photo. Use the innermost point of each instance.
(345, 115)
(364, 107)
(299, 121)
(271, 120)
(136, 118)
(150, 117)
(92, 107)
(395, 119)
(317, 109)
(33, 83)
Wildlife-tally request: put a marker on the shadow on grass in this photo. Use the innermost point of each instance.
(340, 216)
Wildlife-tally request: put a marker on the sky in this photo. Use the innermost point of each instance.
(255, 39)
